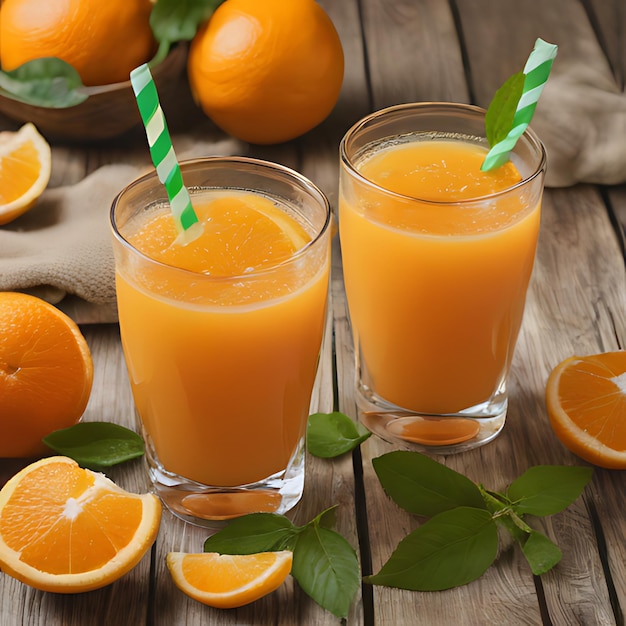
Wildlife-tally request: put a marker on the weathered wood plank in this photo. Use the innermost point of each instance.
(609, 18)
(499, 46)
(413, 52)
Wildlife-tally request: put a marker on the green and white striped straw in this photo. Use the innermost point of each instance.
(536, 72)
(162, 153)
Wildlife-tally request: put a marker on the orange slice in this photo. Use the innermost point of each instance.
(68, 529)
(586, 402)
(25, 166)
(46, 373)
(240, 232)
(227, 581)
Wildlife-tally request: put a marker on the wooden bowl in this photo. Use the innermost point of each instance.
(109, 110)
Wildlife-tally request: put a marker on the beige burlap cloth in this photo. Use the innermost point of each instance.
(61, 249)
(62, 245)
(581, 119)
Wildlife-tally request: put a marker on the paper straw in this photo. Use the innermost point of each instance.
(536, 72)
(162, 152)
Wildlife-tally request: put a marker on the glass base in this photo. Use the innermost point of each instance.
(212, 506)
(434, 434)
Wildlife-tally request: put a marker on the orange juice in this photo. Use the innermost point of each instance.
(436, 287)
(222, 354)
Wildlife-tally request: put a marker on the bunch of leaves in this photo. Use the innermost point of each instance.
(324, 564)
(96, 445)
(51, 82)
(459, 541)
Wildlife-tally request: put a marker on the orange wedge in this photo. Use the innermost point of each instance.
(68, 529)
(46, 373)
(25, 166)
(241, 231)
(226, 581)
(586, 402)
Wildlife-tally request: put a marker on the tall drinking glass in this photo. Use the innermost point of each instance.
(437, 258)
(222, 335)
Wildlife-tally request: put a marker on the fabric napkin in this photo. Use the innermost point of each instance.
(581, 119)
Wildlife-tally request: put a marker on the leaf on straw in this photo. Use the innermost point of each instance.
(501, 111)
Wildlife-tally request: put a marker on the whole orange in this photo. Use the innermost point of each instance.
(266, 71)
(102, 39)
(46, 373)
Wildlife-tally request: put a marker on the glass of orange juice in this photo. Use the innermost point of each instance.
(437, 258)
(222, 335)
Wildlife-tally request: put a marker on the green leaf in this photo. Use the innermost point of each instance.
(326, 518)
(48, 82)
(548, 489)
(178, 20)
(451, 549)
(332, 434)
(326, 567)
(422, 486)
(541, 553)
(257, 532)
(501, 111)
(96, 445)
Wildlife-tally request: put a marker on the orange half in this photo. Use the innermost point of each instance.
(586, 403)
(68, 529)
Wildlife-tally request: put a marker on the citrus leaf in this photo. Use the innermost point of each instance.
(541, 553)
(451, 549)
(326, 567)
(326, 518)
(256, 532)
(96, 445)
(178, 20)
(422, 486)
(501, 111)
(48, 82)
(548, 489)
(333, 434)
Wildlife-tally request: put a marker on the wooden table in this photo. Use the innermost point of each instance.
(398, 51)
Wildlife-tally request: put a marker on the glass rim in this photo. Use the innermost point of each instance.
(152, 177)
(348, 163)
